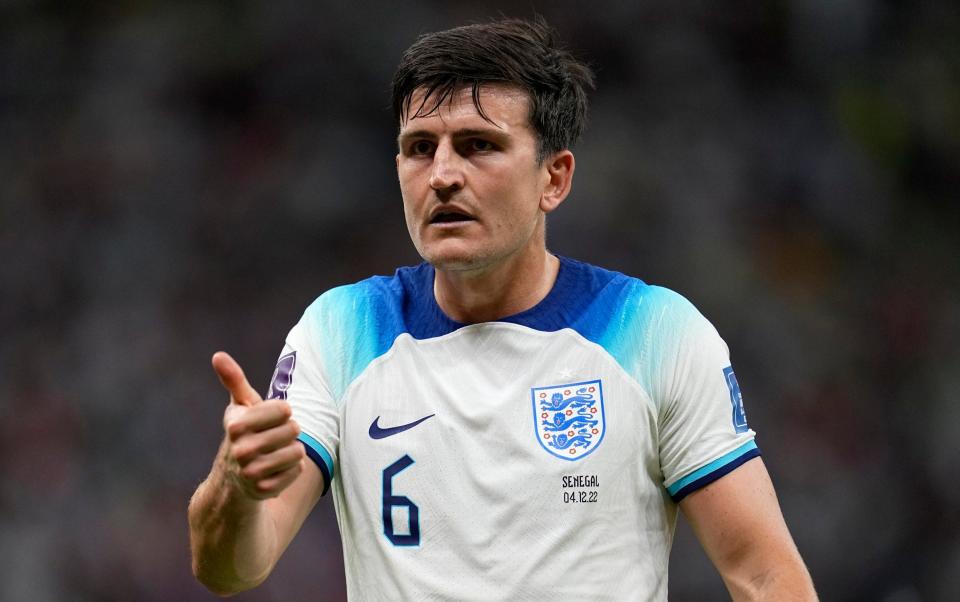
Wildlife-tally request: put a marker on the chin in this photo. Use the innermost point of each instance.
(454, 258)
(455, 263)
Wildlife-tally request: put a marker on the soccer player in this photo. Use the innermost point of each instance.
(497, 423)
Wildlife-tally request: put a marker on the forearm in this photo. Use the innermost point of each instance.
(233, 538)
(790, 582)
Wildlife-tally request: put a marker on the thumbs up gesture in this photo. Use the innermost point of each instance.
(260, 451)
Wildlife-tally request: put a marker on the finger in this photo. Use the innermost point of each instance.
(273, 463)
(233, 380)
(275, 484)
(247, 446)
(259, 419)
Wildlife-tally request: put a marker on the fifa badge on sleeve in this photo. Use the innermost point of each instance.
(282, 376)
(739, 415)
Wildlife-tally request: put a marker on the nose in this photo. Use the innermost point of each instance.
(446, 174)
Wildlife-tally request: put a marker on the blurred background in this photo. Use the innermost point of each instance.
(182, 177)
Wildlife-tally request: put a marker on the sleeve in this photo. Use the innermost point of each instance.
(299, 378)
(703, 428)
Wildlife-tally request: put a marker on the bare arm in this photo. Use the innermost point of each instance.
(739, 523)
(258, 493)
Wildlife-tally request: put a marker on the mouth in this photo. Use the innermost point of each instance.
(452, 216)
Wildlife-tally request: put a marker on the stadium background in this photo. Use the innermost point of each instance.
(181, 177)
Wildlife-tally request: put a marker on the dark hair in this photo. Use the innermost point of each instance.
(514, 52)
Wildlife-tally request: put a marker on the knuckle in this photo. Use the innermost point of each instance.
(235, 428)
(290, 457)
(243, 453)
(267, 488)
(282, 410)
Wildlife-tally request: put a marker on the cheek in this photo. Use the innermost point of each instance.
(409, 215)
(408, 194)
(524, 202)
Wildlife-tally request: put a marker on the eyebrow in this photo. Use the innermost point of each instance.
(462, 133)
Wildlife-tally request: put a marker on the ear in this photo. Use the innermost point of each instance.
(559, 172)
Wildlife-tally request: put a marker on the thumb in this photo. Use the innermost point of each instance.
(234, 381)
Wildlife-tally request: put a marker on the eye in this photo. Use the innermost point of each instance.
(421, 147)
(481, 145)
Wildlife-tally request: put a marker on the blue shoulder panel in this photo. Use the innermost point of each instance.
(358, 323)
(630, 319)
(354, 325)
(637, 324)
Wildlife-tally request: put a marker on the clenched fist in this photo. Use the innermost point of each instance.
(261, 453)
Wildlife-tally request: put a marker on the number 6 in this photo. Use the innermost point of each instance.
(390, 501)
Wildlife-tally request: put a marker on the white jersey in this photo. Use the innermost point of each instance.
(538, 455)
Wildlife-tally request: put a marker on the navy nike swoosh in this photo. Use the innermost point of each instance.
(379, 433)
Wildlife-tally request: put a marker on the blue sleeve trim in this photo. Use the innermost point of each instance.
(321, 457)
(713, 471)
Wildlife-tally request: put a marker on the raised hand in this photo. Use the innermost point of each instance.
(260, 453)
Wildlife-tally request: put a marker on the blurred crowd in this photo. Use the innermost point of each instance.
(177, 178)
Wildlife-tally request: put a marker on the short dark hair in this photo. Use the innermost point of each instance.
(514, 52)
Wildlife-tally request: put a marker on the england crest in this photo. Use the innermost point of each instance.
(569, 418)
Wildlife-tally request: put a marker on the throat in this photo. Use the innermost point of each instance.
(495, 293)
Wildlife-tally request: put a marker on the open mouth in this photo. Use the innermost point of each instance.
(449, 217)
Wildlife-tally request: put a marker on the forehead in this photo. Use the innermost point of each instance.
(507, 107)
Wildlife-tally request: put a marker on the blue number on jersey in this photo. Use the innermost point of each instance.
(412, 538)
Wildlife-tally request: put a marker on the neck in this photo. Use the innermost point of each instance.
(498, 291)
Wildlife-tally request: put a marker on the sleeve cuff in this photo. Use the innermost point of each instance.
(714, 470)
(321, 457)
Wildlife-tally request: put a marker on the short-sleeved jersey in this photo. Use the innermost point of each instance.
(536, 456)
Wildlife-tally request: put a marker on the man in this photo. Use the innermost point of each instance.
(497, 423)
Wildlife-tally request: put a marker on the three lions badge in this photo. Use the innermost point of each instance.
(569, 418)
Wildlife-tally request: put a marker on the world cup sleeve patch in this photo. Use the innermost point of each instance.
(569, 419)
(282, 376)
(739, 415)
